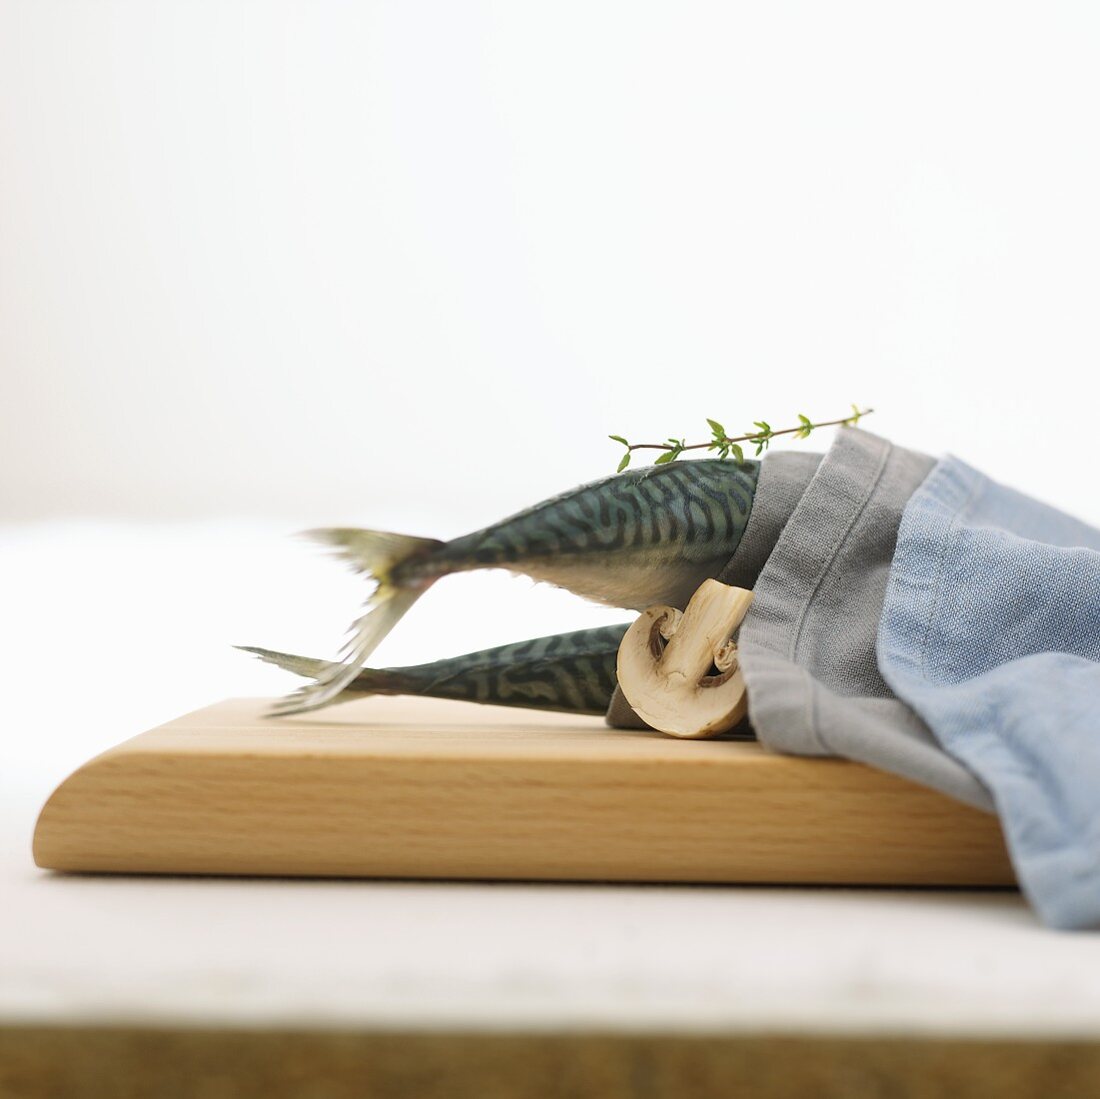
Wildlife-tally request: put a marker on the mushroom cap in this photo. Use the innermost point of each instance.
(680, 671)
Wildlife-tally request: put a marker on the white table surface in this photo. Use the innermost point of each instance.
(113, 628)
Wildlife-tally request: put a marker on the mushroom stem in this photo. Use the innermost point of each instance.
(711, 616)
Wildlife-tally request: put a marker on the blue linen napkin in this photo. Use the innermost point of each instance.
(990, 630)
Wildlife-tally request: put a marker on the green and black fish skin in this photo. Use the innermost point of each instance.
(649, 535)
(568, 672)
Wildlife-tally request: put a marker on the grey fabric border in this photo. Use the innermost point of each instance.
(807, 645)
(780, 484)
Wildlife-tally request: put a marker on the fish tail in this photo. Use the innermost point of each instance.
(377, 554)
(374, 552)
(368, 681)
(307, 666)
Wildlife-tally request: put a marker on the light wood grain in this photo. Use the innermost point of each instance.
(422, 788)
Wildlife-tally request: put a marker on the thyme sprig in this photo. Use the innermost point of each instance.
(727, 446)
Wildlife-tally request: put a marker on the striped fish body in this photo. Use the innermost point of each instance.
(569, 672)
(650, 535)
(646, 536)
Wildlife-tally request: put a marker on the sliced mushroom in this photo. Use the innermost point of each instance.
(680, 671)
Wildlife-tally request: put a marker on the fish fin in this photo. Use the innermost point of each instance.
(385, 609)
(307, 666)
(367, 681)
(376, 553)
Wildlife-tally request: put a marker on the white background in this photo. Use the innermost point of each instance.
(269, 265)
(272, 265)
(355, 262)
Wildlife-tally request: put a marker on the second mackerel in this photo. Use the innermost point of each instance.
(573, 673)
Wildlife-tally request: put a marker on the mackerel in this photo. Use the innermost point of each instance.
(569, 672)
(649, 535)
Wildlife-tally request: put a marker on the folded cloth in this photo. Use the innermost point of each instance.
(807, 645)
(817, 551)
(991, 632)
(920, 618)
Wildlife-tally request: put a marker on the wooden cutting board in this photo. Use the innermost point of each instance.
(423, 788)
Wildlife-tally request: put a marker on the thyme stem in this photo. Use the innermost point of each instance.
(728, 445)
